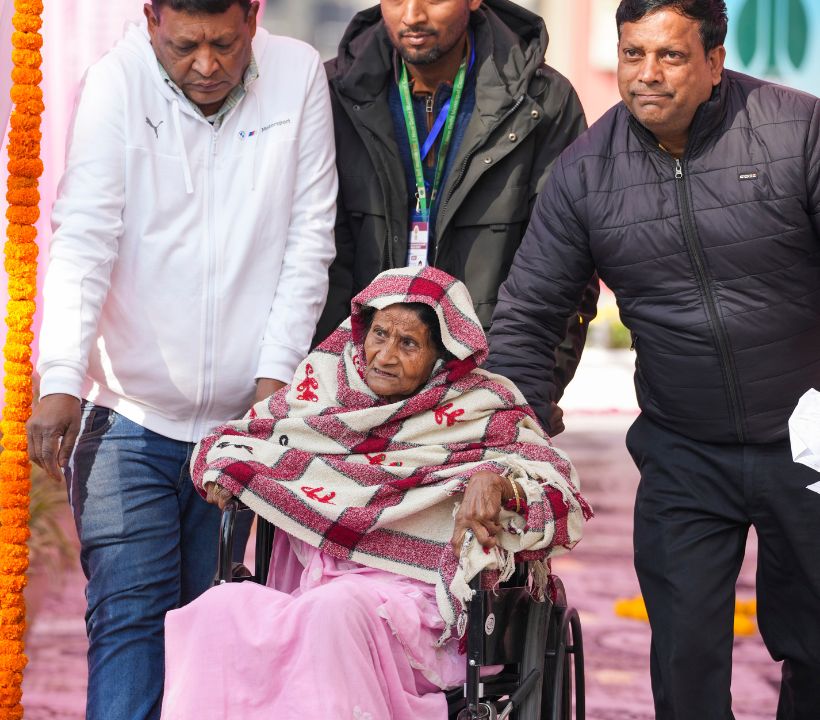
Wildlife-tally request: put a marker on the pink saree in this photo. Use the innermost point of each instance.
(327, 639)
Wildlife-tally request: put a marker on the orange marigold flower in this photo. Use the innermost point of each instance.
(26, 76)
(15, 535)
(26, 93)
(19, 384)
(17, 411)
(26, 22)
(26, 40)
(22, 288)
(13, 566)
(12, 616)
(15, 456)
(25, 149)
(15, 442)
(15, 399)
(12, 367)
(15, 182)
(17, 351)
(21, 135)
(21, 309)
(20, 252)
(23, 196)
(11, 584)
(16, 494)
(11, 657)
(30, 107)
(26, 167)
(26, 58)
(29, 7)
(22, 233)
(22, 121)
(20, 338)
(10, 695)
(13, 517)
(11, 427)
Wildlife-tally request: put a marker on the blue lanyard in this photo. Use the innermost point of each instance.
(435, 131)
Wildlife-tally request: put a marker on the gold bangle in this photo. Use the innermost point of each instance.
(515, 492)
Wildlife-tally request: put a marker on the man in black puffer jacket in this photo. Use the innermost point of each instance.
(697, 199)
(514, 117)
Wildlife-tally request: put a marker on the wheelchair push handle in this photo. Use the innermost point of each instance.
(224, 562)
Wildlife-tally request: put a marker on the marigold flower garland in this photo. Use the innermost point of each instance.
(25, 168)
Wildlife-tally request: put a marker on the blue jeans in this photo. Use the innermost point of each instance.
(149, 545)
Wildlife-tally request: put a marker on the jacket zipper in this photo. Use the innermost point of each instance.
(205, 401)
(696, 253)
(460, 177)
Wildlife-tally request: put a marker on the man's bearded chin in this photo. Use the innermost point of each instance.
(421, 57)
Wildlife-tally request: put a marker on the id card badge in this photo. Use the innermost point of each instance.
(419, 240)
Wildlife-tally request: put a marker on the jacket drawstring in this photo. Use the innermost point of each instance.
(253, 147)
(186, 168)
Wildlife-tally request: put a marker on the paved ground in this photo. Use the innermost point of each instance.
(597, 573)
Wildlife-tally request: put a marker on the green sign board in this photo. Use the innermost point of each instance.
(777, 40)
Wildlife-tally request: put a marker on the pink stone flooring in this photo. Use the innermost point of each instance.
(597, 573)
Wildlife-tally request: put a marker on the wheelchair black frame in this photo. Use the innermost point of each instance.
(563, 654)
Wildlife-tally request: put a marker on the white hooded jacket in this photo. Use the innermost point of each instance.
(188, 261)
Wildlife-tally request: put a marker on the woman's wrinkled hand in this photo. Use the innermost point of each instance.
(479, 510)
(217, 495)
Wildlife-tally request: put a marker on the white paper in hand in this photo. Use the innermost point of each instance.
(804, 431)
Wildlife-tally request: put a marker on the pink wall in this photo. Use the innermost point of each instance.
(598, 89)
(76, 33)
(576, 28)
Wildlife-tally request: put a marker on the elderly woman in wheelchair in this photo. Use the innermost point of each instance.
(395, 471)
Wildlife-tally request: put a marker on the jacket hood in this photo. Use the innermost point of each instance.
(137, 43)
(510, 42)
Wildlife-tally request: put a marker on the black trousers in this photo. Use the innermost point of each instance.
(693, 510)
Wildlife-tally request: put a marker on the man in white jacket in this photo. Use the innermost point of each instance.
(193, 232)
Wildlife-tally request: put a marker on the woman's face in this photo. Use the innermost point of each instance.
(399, 352)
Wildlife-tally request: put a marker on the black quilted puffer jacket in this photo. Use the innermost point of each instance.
(714, 260)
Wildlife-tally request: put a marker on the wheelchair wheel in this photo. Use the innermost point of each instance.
(534, 660)
(564, 667)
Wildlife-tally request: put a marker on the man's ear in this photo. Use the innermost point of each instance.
(151, 17)
(716, 57)
(253, 17)
(474, 5)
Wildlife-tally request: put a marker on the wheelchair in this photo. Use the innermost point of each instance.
(539, 644)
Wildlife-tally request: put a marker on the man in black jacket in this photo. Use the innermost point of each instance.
(447, 124)
(697, 199)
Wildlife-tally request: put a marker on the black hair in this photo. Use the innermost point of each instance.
(711, 14)
(424, 313)
(210, 7)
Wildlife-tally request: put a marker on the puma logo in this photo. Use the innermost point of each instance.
(155, 128)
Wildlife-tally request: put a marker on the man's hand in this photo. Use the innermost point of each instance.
(217, 495)
(265, 387)
(479, 510)
(52, 431)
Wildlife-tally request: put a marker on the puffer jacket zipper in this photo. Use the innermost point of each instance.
(699, 263)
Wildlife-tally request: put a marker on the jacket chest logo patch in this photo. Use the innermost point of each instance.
(747, 175)
(250, 133)
(155, 128)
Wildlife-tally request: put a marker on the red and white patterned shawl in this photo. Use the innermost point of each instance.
(331, 463)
